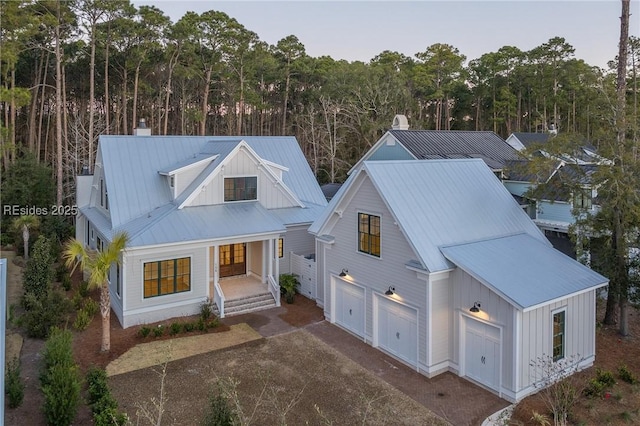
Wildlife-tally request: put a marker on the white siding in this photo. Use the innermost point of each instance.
(183, 179)
(298, 241)
(537, 332)
(138, 310)
(376, 274)
(494, 310)
(270, 195)
(254, 258)
(441, 320)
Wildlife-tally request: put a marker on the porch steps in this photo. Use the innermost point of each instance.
(256, 302)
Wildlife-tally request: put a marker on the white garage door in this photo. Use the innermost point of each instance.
(397, 329)
(349, 307)
(482, 359)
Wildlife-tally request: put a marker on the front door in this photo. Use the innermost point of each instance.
(232, 260)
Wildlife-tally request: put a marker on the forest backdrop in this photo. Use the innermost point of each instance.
(72, 70)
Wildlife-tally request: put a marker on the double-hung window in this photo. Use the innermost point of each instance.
(369, 234)
(241, 188)
(559, 335)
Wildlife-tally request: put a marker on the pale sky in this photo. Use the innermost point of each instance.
(358, 30)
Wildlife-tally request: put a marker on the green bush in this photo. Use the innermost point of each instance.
(175, 328)
(596, 386)
(158, 331)
(38, 273)
(626, 375)
(83, 289)
(60, 379)
(205, 310)
(289, 286)
(14, 387)
(77, 301)
(41, 315)
(219, 412)
(189, 327)
(605, 377)
(91, 306)
(83, 319)
(103, 406)
(66, 282)
(144, 331)
(61, 271)
(61, 394)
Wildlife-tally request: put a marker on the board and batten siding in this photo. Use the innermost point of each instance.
(254, 258)
(441, 320)
(373, 273)
(184, 178)
(138, 310)
(537, 332)
(243, 164)
(494, 310)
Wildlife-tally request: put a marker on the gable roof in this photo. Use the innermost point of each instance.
(140, 198)
(440, 202)
(522, 270)
(529, 138)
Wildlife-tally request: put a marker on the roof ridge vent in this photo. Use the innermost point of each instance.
(400, 122)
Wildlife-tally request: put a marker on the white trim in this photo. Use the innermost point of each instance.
(568, 296)
(377, 297)
(553, 312)
(334, 283)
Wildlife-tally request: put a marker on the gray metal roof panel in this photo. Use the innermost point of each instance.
(523, 270)
(297, 215)
(181, 164)
(203, 223)
(131, 166)
(528, 138)
(441, 202)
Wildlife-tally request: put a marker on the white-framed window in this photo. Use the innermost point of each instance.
(559, 332)
(280, 248)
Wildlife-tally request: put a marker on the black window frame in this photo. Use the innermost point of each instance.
(175, 277)
(368, 239)
(245, 188)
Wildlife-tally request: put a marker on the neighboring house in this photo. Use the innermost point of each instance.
(557, 209)
(199, 212)
(436, 264)
(400, 143)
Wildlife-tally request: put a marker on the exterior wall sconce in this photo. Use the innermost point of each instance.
(475, 308)
(344, 273)
(390, 291)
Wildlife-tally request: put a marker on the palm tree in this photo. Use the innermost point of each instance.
(25, 224)
(97, 263)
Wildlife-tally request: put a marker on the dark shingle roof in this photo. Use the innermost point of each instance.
(529, 139)
(457, 144)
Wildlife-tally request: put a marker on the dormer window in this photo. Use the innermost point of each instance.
(241, 188)
(172, 181)
(104, 197)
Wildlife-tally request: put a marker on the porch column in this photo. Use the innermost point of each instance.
(216, 264)
(270, 256)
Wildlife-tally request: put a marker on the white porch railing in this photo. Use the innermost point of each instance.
(218, 297)
(274, 288)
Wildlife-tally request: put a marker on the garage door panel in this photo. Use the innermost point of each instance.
(397, 327)
(482, 358)
(350, 307)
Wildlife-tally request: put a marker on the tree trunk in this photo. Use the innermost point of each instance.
(205, 101)
(25, 241)
(59, 158)
(134, 112)
(105, 312)
(92, 93)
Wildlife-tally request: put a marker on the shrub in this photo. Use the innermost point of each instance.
(213, 323)
(289, 286)
(61, 271)
(60, 379)
(158, 331)
(38, 273)
(220, 411)
(103, 406)
(626, 375)
(175, 328)
(83, 289)
(605, 377)
(41, 315)
(14, 387)
(83, 319)
(205, 310)
(144, 331)
(594, 389)
(66, 282)
(91, 306)
(189, 326)
(77, 301)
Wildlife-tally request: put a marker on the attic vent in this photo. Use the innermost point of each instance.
(400, 122)
(142, 129)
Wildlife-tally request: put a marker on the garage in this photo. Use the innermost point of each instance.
(396, 329)
(348, 306)
(482, 348)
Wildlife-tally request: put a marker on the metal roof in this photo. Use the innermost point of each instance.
(529, 138)
(204, 223)
(441, 202)
(140, 198)
(522, 270)
(452, 144)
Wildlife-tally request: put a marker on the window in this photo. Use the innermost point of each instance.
(99, 244)
(241, 188)
(88, 231)
(369, 234)
(559, 327)
(118, 283)
(167, 277)
(280, 247)
(172, 181)
(582, 200)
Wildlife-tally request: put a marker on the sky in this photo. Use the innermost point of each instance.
(358, 30)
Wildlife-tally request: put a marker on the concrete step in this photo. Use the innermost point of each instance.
(245, 305)
(249, 299)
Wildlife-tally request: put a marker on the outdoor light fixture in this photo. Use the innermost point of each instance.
(390, 291)
(344, 273)
(475, 308)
